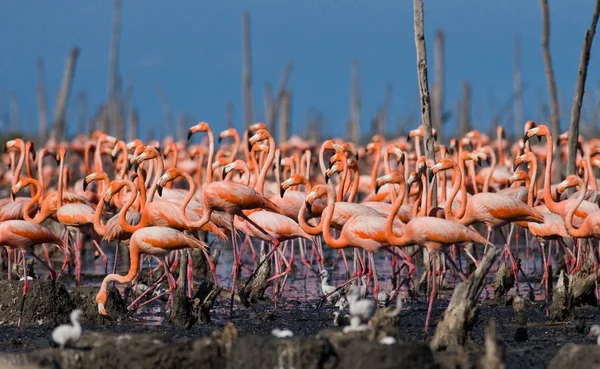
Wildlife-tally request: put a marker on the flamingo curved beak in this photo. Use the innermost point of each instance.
(308, 206)
(281, 191)
(159, 189)
(85, 185)
(189, 135)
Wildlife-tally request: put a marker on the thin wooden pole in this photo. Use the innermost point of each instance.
(580, 90)
(424, 89)
(247, 71)
(15, 119)
(59, 125)
(285, 114)
(41, 99)
(518, 88)
(115, 119)
(229, 115)
(82, 114)
(438, 87)
(465, 109)
(354, 122)
(554, 106)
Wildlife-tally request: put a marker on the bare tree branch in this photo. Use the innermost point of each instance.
(247, 71)
(554, 106)
(41, 98)
(580, 90)
(424, 90)
(59, 125)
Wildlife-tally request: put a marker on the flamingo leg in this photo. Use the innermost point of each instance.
(45, 265)
(375, 281)
(116, 257)
(25, 285)
(433, 290)
(273, 239)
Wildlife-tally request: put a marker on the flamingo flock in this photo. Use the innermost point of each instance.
(162, 199)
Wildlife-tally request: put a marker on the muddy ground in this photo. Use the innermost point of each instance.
(144, 339)
(545, 339)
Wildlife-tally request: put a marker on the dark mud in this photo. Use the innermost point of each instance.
(145, 339)
(316, 343)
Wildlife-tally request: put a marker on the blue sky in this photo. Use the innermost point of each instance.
(192, 48)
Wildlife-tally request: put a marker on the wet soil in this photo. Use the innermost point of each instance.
(312, 337)
(145, 339)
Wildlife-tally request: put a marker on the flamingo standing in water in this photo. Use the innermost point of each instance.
(155, 241)
(432, 233)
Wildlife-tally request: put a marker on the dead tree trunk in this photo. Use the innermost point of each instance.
(554, 106)
(115, 125)
(15, 120)
(132, 132)
(465, 109)
(247, 71)
(59, 125)
(424, 91)
(41, 98)
(285, 114)
(229, 115)
(354, 122)
(82, 114)
(459, 317)
(166, 107)
(275, 104)
(181, 131)
(438, 87)
(580, 90)
(268, 108)
(518, 89)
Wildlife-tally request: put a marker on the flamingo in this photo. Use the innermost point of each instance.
(23, 235)
(155, 241)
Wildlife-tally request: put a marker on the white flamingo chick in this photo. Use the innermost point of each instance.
(595, 331)
(361, 310)
(68, 332)
(335, 299)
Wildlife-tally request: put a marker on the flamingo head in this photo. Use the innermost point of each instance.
(395, 149)
(394, 177)
(413, 133)
(11, 144)
(537, 131)
(229, 132)
(594, 331)
(17, 187)
(101, 298)
(452, 145)
(443, 164)
(526, 157)
(421, 164)
(519, 175)
(200, 127)
(569, 182)
(412, 178)
(93, 177)
(149, 152)
(335, 168)
(317, 192)
(169, 175)
(60, 154)
(120, 145)
(257, 126)
(294, 180)
(133, 144)
(260, 135)
(238, 165)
